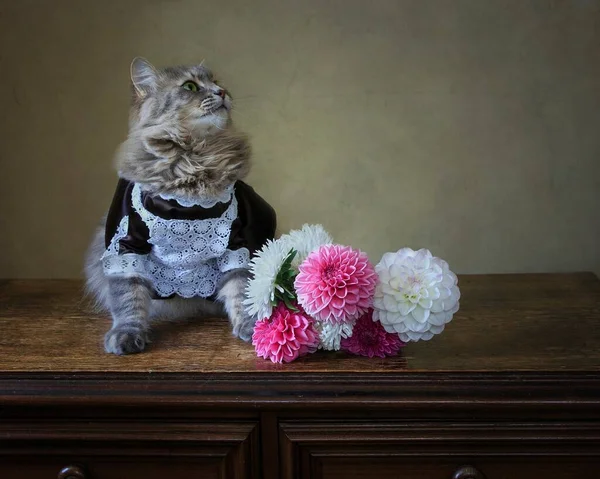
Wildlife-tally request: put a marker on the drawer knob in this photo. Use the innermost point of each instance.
(72, 472)
(468, 472)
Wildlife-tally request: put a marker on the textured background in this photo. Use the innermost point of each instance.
(467, 127)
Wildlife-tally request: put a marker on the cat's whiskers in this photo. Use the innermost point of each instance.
(237, 112)
(244, 100)
(216, 126)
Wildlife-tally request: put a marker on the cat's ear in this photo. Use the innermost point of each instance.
(143, 76)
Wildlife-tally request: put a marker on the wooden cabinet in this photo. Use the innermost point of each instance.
(510, 391)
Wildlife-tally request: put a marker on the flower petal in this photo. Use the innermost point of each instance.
(425, 303)
(405, 308)
(390, 304)
(421, 315)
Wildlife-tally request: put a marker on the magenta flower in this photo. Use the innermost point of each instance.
(370, 339)
(336, 284)
(285, 336)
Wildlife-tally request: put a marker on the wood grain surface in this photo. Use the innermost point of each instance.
(532, 322)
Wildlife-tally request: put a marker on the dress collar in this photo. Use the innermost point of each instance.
(203, 201)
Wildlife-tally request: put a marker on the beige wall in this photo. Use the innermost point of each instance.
(467, 127)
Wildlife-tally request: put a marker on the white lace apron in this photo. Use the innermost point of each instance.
(188, 257)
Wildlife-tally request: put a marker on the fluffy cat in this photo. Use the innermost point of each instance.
(180, 171)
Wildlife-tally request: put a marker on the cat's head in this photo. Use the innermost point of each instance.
(185, 96)
(181, 140)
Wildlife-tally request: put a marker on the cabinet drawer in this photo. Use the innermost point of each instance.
(353, 450)
(110, 450)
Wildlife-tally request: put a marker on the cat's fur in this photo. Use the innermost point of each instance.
(180, 143)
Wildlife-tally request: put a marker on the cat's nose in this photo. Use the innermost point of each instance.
(220, 92)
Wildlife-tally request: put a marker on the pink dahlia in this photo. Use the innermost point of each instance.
(370, 339)
(336, 284)
(285, 336)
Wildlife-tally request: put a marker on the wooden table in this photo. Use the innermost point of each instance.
(510, 390)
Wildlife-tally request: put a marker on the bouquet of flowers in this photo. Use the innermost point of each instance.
(309, 293)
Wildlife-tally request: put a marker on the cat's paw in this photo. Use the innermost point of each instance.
(244, 328)
(125, 339)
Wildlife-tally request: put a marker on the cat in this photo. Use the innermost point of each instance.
(182, 224)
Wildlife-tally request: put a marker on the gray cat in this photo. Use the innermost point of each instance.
(182, 225)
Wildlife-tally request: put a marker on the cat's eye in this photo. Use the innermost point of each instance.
(190, 85)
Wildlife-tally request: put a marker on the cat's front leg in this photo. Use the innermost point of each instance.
(231, 293)
(129, 304)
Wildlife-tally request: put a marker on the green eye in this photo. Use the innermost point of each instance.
(190, 85)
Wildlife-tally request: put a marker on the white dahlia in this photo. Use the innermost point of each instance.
(416, 294)
(331, 334)
(260, 292)
(307, 240)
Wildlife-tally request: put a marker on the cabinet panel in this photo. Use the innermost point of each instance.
(115, 450)
(361, 450)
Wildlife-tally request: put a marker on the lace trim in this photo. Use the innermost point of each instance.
(234, 259)
(207, 202)
(125, 265)
(113, 247)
